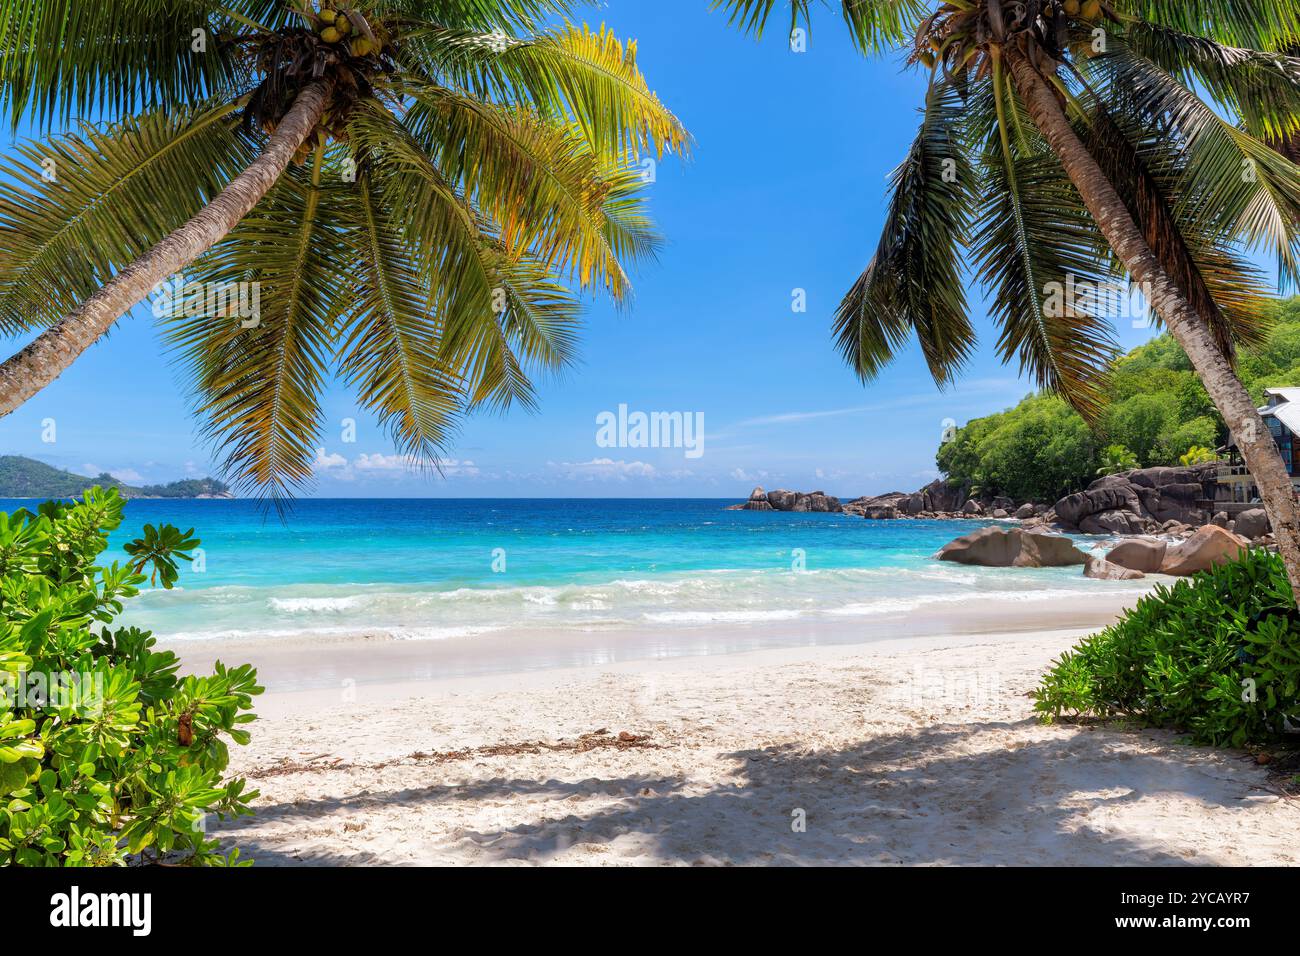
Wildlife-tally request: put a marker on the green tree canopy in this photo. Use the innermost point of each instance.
(1158, 411)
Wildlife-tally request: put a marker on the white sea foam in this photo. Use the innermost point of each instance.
(896, 605)
(720, 617)
(315, 604)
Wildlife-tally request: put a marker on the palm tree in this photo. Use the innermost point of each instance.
(416, 190)
(1068, 146)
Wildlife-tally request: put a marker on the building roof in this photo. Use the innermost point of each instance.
(1286, 394)
(1288, 413)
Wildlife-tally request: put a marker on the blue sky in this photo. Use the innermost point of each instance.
(785, 190)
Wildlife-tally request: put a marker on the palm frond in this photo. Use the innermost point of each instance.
(874, 25)
(571, 73)
(1237, 186)
(535, 331)
(390, 347)
(538, 181)
(481, 16)
(498, 314)
(1215, 280)
(1261, 88)
(76, 208)
(1255, 24)
(914, 282)
(1036, 246)
(258, 384)
(111, 58)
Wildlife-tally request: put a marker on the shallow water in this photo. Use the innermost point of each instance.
(432, 569)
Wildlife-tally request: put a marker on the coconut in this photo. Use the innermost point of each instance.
(343, 24)
(331, 35)
(1071, 8)
(927, 58)
(361, 46)
(1091, 9)
(327, 14)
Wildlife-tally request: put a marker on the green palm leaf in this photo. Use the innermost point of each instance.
(1255, 24)
(1233, 183)
(80, 206)
(65, 58)
(874, 25)
(480, 286)
(390, 349)
(1261, 88)
(571, 74)
(1036, 241)
(539, 182)
(258, 385)
(1207, 266)
(914, 281)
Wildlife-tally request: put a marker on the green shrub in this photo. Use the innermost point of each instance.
(1217, 655)
(1116, 458)
(106, 755)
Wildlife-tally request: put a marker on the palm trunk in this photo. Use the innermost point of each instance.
(1189, 328)
(41, 362)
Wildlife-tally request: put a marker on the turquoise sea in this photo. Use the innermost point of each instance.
(436, 569)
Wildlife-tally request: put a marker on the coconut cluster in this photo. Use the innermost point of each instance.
(339, 27)
(957, 33)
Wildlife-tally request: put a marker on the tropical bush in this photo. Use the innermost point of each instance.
(107, 756)
(1197, 455)
(1116, 458)
(1217, 655)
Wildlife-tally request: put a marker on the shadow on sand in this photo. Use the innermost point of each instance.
(936, 795)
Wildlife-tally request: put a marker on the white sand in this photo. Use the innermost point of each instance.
(913, 752)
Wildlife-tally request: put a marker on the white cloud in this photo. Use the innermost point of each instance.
(328, 462)
(129, 475)
(378, 462)
(603, 469)
(740, 474)
(983, 386)
(403, 464)
(378, 465)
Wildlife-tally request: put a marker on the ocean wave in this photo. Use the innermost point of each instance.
(897, 605)
(721, 617)
(315, 604)
(392, 633)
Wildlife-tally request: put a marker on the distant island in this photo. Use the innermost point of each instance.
(22, 477)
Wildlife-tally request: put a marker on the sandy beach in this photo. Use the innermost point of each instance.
(918, 751)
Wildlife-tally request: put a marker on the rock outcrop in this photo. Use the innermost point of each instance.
(1147, 501)
(1208, 546)
(1151, 496)
(1252, 524)
(1103, 570)
(1116, 521)
(1012, 548)
(892, 504)
(1076, 508)
(782, 500)
(1145, 555)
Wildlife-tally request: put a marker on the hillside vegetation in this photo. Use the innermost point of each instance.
(1158, 413)
(27, 478)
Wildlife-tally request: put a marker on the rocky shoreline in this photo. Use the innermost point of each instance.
(1172, 502)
